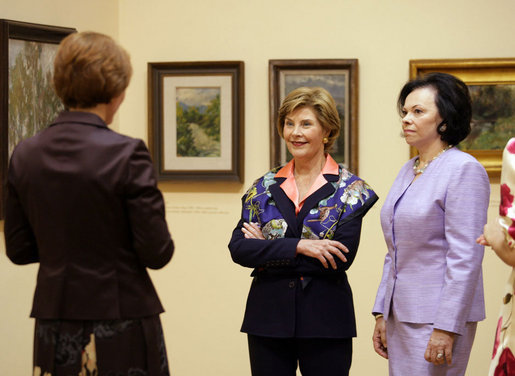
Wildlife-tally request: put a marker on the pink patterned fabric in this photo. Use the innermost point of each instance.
(506, 366)
(503, 361)
(506, 208)
(497, 337)
(511, 146)
(506, 200)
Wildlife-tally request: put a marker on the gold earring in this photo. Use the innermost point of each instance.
(325, 140)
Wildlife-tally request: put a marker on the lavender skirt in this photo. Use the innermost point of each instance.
(407, 344)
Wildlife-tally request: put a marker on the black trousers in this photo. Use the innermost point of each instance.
(314, 356)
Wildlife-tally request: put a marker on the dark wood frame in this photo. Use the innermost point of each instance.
(25, 31)
(156, 73)
(274, 69)
(473, 72)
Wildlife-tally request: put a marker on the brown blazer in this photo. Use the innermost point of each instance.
(83, 202)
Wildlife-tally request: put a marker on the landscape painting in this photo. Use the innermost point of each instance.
(493, 117)
(491, 84)
(33, 103)
(198, 121)
(27, 100)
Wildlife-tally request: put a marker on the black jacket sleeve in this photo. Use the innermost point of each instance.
(20, 242)
(145, 207)
(278, 256)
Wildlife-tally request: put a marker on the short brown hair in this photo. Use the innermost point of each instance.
(320, 101)
(90, 68)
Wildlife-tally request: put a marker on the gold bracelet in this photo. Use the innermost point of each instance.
(378, 316)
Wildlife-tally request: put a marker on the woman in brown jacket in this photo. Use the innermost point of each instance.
(83, 202)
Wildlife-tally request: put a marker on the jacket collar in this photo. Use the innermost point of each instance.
(79, 117)
(287, 208)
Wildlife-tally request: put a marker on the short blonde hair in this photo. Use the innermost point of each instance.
(322, 103)
(90, 68)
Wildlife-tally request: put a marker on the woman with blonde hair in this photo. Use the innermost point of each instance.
(83, 203)
(299, 231)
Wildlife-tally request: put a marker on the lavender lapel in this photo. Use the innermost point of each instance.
(400, 186)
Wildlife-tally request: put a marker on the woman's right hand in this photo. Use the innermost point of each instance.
(323, 250)
(379, 338)
(482, 240)
(252, 231)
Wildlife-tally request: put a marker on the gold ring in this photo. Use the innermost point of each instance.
(439, 356)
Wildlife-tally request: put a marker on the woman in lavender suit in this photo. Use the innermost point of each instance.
(431, 293)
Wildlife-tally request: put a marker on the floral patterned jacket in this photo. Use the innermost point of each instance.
(290, 292)
(351, 196)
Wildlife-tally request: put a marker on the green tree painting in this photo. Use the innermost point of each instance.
(32, 101)
(198, 122)
(493, 117)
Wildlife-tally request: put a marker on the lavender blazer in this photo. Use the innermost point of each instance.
(432, 271)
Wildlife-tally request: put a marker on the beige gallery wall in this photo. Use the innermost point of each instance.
(202, 290)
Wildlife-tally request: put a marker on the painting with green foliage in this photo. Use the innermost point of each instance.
(493, 117)
(32, 101)
(198, 121)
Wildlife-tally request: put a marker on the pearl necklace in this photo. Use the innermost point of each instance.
(417, 170)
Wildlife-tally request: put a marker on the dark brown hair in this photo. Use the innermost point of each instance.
(452, 100)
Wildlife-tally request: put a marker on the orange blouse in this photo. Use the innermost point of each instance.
(290, 187)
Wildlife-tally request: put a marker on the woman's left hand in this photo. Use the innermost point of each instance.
(252, 231)
(439, 347)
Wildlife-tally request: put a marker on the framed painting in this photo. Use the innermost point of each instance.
(491, 84)
(27, 100)
(340, 78)
(196, 120)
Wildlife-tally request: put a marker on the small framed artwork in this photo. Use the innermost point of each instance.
(340, 78)
(196, 120)
(491, 84)
(27, 100)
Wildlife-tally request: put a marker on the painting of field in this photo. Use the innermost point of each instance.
(198, 121)
(493, 117)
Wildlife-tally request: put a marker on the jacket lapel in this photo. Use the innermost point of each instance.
(324, 191)
(285, 206)
(398, 190)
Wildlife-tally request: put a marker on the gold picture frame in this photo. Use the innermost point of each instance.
(475, 73)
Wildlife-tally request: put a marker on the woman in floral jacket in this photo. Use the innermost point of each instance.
(300, 230)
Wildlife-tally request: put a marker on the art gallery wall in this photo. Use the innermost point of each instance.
(202, 290)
